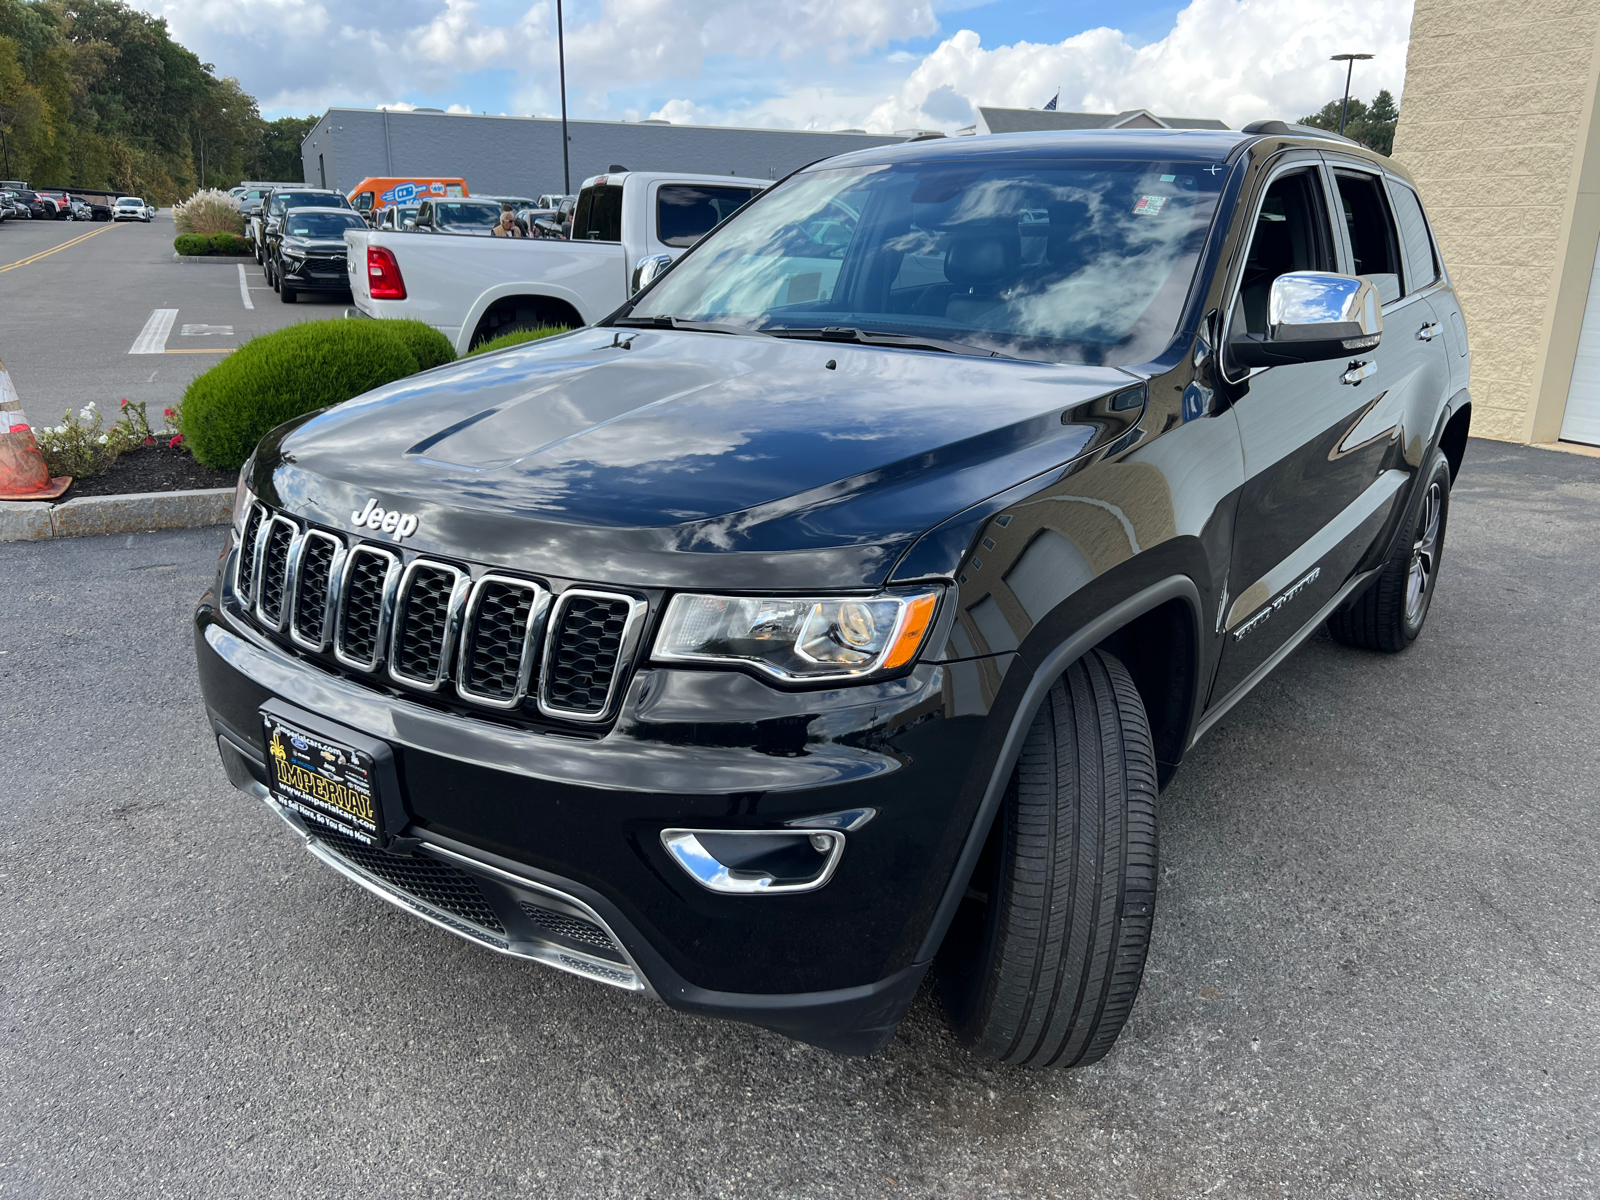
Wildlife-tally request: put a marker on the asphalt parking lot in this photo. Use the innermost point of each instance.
(1376, 969)
(75, 298)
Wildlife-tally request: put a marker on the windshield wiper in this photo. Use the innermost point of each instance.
(684, 323)
(878, 337)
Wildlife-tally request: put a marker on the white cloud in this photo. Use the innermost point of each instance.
(1237, 60)
(818, 64)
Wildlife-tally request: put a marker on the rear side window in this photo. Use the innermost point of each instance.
(599, 215)
(685, 213)
(1422, 268)
(1373, 241)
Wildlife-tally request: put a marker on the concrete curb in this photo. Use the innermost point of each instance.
(213, 258)
(137, 512)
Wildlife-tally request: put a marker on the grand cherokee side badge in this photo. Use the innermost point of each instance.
(397, 524)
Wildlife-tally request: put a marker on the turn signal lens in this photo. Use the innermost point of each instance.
(913, 629)
(384, 281)
(799, 639)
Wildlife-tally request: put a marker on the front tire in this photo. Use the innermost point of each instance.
(288, 294)
(1045, 956)
(1389, 614)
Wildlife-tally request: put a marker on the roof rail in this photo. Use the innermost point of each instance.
(1288, 129)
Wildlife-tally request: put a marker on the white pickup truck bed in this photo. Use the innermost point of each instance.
(471, 287)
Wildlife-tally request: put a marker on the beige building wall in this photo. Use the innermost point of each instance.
(1497, 127)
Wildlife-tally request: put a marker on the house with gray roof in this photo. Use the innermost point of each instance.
(1040, 120)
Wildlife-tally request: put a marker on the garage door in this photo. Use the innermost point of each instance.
(1582, 420)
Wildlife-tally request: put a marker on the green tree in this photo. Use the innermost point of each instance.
(1370, 124)
(96, 94)
(277, 154)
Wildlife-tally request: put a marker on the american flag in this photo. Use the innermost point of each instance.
(1051, 107)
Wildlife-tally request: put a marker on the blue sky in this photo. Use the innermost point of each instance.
(876, 64)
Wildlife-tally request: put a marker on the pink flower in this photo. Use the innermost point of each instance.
(149, 441)
(124, 403)
(175, 442)
(167, 412)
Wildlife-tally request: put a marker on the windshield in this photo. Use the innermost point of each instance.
(321, 225)
(1070, 261)
(286, 200)
(126, 202)
(465, 216)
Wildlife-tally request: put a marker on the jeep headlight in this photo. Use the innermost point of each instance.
(799, 639)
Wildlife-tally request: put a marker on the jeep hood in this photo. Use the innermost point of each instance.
(676, 458)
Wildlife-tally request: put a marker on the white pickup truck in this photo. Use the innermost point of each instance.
(475, 288)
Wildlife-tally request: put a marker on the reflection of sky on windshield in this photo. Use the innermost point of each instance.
(1094, 258)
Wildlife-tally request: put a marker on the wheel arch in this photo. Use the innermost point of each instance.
(1453, 440)
(1168, 612)
(557, 302)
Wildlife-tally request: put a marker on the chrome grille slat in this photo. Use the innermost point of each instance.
(427, 619)
(591, 640)
(277, 544)
(366, 603)
(504, 621)
(316, 577)
(245, 572)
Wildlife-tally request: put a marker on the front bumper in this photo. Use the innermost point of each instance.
(577, 818)
(313, 276)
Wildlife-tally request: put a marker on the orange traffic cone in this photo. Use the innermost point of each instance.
(23, 475)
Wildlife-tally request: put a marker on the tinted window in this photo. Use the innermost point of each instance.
(685, 214)
(1291, 234)
(1373, 241)
(315, 224)
(1064, 260)
(599, 215)
(1422, 268)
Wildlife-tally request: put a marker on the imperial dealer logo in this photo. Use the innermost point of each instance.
(397, 525)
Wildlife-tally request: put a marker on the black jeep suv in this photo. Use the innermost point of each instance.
(834, 610)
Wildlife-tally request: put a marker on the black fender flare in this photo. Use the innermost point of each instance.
(1082, 640)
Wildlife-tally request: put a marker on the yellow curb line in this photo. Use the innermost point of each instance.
(23, 262)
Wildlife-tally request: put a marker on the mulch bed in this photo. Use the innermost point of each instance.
(155, 468)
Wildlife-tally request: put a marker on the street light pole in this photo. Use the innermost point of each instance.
(561, 59)
(1350, 66)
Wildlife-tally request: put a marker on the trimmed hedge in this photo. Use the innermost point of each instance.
(431, 348)
(229, 243)
(515, 338)
(294, 371)
(216, 243)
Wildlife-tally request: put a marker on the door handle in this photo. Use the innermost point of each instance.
(1428, 332)
(1357, 371)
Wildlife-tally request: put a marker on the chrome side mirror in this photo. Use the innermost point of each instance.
(647, 269)
(1313, 316)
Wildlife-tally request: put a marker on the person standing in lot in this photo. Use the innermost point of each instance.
(508, 225)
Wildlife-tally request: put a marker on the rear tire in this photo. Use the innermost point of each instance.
(1045, 956)
(1389, 614)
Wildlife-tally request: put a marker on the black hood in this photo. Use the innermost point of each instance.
(691, 459)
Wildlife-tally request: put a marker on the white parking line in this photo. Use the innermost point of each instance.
(244, 288)
(152, 338)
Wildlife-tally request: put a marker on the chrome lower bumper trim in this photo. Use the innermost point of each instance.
(624, 975)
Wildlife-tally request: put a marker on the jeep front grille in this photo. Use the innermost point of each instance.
(432, 626)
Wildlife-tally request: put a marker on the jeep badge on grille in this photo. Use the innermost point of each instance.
(397, 524)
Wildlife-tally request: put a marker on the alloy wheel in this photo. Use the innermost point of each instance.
(1424, 554)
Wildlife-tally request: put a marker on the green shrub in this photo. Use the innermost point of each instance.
(191, 243)
(228, 243)
(431, 348)
(516, 337)
(283, 375)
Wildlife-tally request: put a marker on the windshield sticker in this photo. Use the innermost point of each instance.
(1149, 206)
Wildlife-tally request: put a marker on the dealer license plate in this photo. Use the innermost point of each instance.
(324, 781)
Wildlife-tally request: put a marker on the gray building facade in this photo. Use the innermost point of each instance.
(521, 156)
